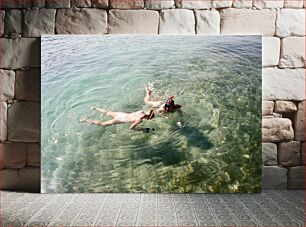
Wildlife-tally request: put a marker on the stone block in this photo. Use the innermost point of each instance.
(56, 4)
(7, 81)
(270, 51)
(178, 21)
(293, 3)
(2, 15)
(39, 3)
(277, 129)
(192, 4)
(289, 153)
(299, 122)
(3, 121)
(274, 177)
(283, 84)
(285, 107)
(262, 4)
(208, 22)
(290, 22)
(242, 4)
(33, 158)
(133, 22)
(222, 3)
(13, 155)
(27, 85)
(159, 4)
(81, 21)
(13, 36)
(9, 179)
(13, 21)
(80, 3)
(15, 4)
(267, 107)
(293, 52)
(296, 176)
(99, 4)
(24, 122)
(269, 154)
(25, 180)
(39, 22)
(303, 157)
(126, 4)
(20, 53)
(248, 21)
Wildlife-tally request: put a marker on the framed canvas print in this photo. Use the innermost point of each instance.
(141, 113)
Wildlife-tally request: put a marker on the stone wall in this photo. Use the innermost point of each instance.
(281, 22)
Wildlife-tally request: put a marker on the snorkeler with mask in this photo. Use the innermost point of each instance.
(164, 107)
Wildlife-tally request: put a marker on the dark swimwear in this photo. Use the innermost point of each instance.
(169, 103)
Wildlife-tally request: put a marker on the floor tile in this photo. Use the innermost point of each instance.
(270, 208)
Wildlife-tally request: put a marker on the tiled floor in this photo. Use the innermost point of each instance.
(271, 208)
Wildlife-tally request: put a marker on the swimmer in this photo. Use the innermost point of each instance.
(120, 118)
(169, 106)
(163, 107)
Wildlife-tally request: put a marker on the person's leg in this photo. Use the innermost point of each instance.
(96, 122)
(103, 111)
(148, 97)
(161, 109)
(148, 94)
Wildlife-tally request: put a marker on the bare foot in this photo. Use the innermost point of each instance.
(93, 108)
(83, 119)
(89, 121)
(101, 110)
(149, 90)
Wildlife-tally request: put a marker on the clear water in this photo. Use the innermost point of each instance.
(217, 80)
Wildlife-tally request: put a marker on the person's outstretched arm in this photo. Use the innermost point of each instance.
(146, 130)
(181, 122)
(137, 122)
(180, 112)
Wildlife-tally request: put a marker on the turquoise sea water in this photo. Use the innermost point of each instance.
(216, 79)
